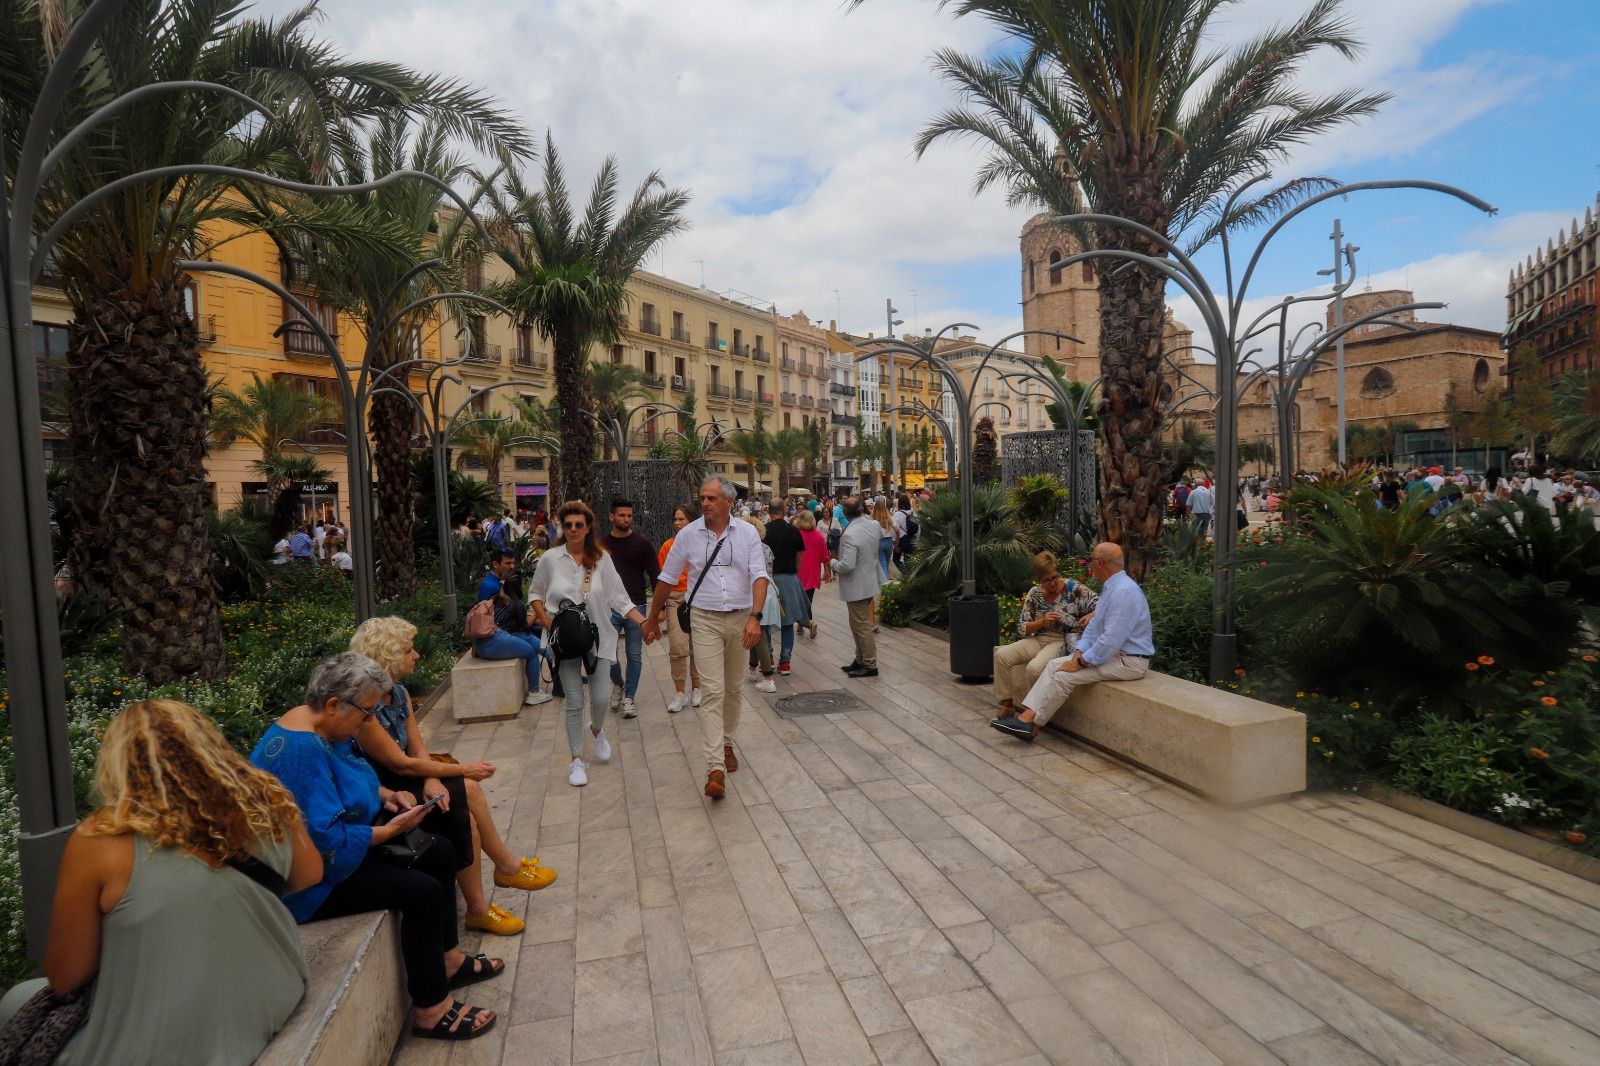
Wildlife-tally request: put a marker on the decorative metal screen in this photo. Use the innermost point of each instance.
(1053, 452)
(654, 493)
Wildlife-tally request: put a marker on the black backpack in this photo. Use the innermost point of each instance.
(574, 636)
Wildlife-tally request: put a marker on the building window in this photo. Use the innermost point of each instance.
(331, 432)
(299, 337)
(1088, 272)
(1378, 382)
(616, 353)
(1055, 267)
(1031, 266)
(679, 367)
(1480, 376)
(50, 349)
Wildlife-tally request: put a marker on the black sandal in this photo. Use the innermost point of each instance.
(447, 1029)
(476, 968)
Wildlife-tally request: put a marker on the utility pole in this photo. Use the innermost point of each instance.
(1342, 253)
(894, 400)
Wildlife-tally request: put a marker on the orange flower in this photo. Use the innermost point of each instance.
(1239, 671)
(1538, 683)
(1472, 666)
(1576, 837)
(1486, 660)
(1548, 701)
(1588, 658)
(1538, 753)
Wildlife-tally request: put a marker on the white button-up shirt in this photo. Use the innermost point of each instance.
(558, 581)
(731, 583)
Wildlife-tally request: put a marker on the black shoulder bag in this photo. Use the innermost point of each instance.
(683, 608)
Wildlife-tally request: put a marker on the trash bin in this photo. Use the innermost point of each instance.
(974, 632)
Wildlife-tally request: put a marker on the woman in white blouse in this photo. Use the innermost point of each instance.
(578, 570)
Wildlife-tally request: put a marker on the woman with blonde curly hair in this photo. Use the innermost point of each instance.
(172, 884)
(392, 743)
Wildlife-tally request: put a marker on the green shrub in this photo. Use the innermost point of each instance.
(1180, 616)
(1462, 764)
(891, 608)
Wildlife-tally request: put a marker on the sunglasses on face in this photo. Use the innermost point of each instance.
(579, 524)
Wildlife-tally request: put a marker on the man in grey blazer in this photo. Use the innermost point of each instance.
(857, 567)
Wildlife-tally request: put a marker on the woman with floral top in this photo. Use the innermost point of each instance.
(1054, 608)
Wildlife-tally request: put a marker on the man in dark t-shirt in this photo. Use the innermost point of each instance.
(786, 545)
(635, 559)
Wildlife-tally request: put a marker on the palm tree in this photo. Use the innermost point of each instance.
(364, 278)
(1577, 418)
(613, 387)
(1115, 107)
(536, 418)
(138, 389)
(570, 277)
(266, 413)
(788, 447)
(489, 441)
(283, 473)
(754, 446)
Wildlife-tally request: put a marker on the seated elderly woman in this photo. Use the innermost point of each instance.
(393, 744)
(1054, 609)
(350, 818)
(171, 884)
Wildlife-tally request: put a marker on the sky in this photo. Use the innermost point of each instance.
(793, 121)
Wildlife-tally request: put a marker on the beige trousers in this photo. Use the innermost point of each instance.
(678, 647)
(717, 639)
(1055, 685)
(1018, 665)
(861, 631)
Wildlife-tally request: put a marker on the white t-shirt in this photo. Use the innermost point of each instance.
(280, 552)
(342, 560)
(1435, 481)
(318, 535)
(899, 518)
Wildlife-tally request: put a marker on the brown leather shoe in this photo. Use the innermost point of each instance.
(715, 786)
(729, 758)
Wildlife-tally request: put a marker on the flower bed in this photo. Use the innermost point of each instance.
(272, 645)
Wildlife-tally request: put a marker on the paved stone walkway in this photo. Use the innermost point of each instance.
(901, 884)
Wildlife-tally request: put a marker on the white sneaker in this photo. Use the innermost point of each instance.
(628, 710)
(694, 698)
(753, 676)
(766, 684)
(677, 703)
(533, 699)
(616, 699)
(578, 775)
(602, 747)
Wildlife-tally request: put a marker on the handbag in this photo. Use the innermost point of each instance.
(404, 851)
(39, 1032)
(683, 608)
(480, 621)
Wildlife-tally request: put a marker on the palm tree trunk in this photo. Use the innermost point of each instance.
(390, 422)
(577, 432)
(1133, 401)
(139, 497)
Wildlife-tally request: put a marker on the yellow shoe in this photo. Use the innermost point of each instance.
(499, 921)
(530, 878)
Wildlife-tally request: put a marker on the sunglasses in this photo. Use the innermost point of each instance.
(580, 524)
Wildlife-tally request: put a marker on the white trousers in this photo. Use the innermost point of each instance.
(1055, 684)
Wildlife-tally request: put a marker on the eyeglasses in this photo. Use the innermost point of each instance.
(580, 524)
(366, 712)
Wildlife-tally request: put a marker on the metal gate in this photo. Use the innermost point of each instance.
(1072, 462)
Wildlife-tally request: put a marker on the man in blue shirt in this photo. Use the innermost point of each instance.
(300, 546)
(1116, 646)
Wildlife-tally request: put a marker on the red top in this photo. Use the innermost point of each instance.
(813, 559)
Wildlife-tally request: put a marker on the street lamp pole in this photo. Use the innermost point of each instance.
(894, 399)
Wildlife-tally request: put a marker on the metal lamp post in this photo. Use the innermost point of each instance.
(1221, 317)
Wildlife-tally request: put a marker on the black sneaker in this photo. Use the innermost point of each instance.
(862, 671)
(854, 665)
(1015, 727)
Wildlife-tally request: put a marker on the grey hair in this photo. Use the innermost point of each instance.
(729, 493)
(346, 677)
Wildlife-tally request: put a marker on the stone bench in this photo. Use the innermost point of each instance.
(355, 1008)
(1225, 746)
(486, 690)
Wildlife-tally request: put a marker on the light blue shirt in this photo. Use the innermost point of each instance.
(1121, 623)
(1200, 501)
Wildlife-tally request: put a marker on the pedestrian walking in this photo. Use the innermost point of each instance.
(787, 545)
(859, 582)
(636, 562)
(1202, 507)
(813, 568)
(685, 675)
(578, 575)
(727, 591)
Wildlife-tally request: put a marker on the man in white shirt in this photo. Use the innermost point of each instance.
(1201, 507)
(342, 560)
(725, 598)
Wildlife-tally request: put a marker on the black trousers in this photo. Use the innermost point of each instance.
(425, 896)
(455, 825)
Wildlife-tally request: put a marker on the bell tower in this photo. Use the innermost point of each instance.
(1065, 299)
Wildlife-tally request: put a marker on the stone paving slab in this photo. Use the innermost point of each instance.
(900, 884)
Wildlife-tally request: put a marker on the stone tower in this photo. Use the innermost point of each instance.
(1064, 299)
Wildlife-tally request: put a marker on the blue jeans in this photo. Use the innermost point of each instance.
(503, 645)
(571, 671)
(885, 551)
(634, 636)
(787, 642)
(1202, 522)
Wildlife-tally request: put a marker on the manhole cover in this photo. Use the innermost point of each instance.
(824, 702)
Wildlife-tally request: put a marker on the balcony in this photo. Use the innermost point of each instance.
(680, 383)
(836, 389)
(680, 335)
(806, 401)
(763, 356)
(841, 420)
(789, 399)
(205, 328)
(744, 395)
(718, 391)
(655, 381)
(531, 359)
(651, 326)
(301, 342)
(821, 370)
(788, 363)
(715, 343)
(766, 398)
(740, 349)
(484, 354)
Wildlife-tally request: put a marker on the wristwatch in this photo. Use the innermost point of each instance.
(756, 615)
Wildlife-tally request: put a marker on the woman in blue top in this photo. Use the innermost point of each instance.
(309, 749)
